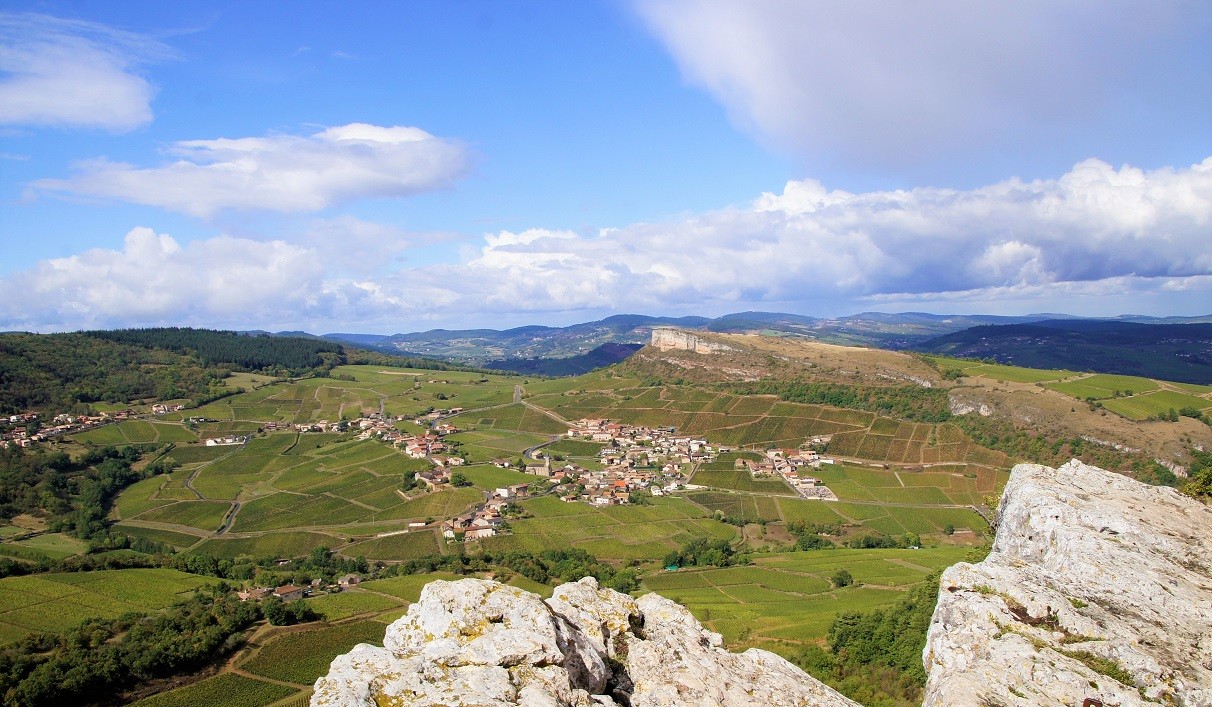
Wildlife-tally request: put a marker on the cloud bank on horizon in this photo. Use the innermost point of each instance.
(1097, 232)
(283, 227)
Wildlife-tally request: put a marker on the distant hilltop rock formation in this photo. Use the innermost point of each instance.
(1098, 592)
(665, 339)
(478, 642)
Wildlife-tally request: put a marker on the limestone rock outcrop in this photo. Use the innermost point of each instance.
(666, 339)
(1098, 591)
(478, 642)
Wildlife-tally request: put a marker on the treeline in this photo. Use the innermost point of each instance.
(65, 372)
(55, 373)
(100, 658)
(292, 355)
(909, 402)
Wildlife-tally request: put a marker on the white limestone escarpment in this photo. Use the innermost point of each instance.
(665, 339)
(478, 642)
(1098, 591)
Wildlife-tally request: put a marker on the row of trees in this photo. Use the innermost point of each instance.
(703, 552)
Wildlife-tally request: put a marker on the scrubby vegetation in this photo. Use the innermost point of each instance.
(909, 402)
(74, 495)
(1199, 475)
(876, 657)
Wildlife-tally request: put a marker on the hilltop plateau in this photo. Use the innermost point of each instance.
(1174, 348)
(1005, 406)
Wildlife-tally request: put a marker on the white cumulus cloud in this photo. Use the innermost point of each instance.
(283, 173)
(1096, 240)
(154, 279)
(808, 249)
(72, 73)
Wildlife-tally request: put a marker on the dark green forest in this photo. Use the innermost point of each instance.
(289, 355)
(65, 372)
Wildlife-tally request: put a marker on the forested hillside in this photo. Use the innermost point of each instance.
(62, 372)
(289, 354)
(1174, 352)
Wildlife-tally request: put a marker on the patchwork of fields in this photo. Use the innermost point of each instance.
(283, 494)
(759, 421)
(786, 599)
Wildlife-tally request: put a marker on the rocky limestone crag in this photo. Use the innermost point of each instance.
(1098, 591)
(666, 339)
(478, 642)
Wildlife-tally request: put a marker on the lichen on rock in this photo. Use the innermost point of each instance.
(1097, 591)
(478, 642)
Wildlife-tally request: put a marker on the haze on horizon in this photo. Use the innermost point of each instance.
(389, 167)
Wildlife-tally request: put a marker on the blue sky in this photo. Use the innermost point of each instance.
(384, 167)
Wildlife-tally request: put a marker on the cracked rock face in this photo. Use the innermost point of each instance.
(1098, 591)
(477, 642)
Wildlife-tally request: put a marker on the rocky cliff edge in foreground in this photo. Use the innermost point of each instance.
(1098, 591)
(477, 642)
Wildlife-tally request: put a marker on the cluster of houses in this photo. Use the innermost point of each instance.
(789, 464)
(291, 592)
(427, 445)
(634, 458)
(486, 519)
(305, 427)
(17, 432)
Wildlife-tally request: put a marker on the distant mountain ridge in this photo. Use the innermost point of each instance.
(482, 347)
(569, 349)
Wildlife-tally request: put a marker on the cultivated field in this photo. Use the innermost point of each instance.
(57, 602)
(786, 599)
